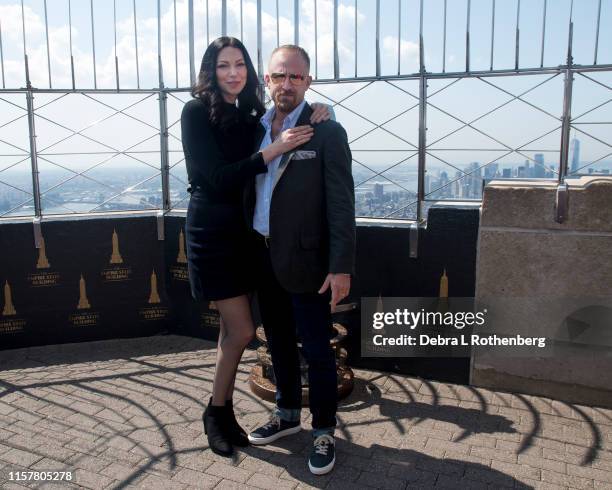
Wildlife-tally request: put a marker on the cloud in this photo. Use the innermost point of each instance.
(59, 43)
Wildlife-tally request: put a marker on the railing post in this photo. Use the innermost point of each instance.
(562, 197)
(567, 116)
(163, 121)
(192, 77)
(422, 144)
(224, 17)
(33, 152)
(422, 122)
(163, 135)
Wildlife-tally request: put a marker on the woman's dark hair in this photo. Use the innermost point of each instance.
(208, 91)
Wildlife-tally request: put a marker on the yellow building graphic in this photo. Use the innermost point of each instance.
(444, 285)
(116, 256)
(83, 301)
(154, 296)
(9, 309)
(43, 262)
(182, 257)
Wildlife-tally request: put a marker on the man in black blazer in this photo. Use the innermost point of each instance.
(302, 212)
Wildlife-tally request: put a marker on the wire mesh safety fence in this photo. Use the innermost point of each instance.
(436, 96)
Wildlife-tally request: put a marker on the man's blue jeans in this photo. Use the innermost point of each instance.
(287, 316)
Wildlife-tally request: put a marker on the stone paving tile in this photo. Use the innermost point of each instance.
(127, 414)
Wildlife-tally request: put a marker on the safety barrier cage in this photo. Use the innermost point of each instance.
(89, 119)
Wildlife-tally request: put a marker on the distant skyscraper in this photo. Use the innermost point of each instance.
(540, 168)
(575, 156)
(473, 183)
(445, 190)
(379, 191)
(490, 171)
(507, 173)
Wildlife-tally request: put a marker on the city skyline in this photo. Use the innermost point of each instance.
(375, 197)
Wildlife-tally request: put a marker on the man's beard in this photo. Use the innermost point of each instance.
(286, 102)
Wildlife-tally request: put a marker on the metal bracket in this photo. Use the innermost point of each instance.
(414, 240)
(562, 203)
(160, 225)
(37, 232)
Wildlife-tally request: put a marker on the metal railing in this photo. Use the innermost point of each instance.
(422, 100)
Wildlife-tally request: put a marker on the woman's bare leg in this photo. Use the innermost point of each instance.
(236, 331)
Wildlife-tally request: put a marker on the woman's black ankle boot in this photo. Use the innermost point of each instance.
(237, 434)
(216, 427)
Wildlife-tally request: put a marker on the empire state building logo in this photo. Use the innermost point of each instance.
(9, 309)
(117, 271)
(155, 310)
(9, 322)
(182, 257)
(116, 255)
(43, 276)
(84, 316)
(179, 270)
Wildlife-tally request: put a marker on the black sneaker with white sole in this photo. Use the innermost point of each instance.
(323, 455)
(274, 429)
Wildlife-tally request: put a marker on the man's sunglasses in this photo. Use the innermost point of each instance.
(294, 78)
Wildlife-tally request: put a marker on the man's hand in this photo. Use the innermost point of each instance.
(340, 287)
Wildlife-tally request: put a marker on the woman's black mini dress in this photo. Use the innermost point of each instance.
(220, 159)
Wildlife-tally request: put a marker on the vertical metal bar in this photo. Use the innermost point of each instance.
(33, 153)
(224, 17)
(2, 57)
(567, 107)
(377, 38)
(423, 115)
(241, 23)
(164, 153)
(467, 37)
(543, 35)
(421, 42)
(163, 121)
(70, 35)
(356, 38)
(316, 35)
(259, 54)
(493, 34)
(136, 46)
(399, 36)
(93, 44)
(516, 52)
(47, 39)
(175, 47)
(115, 33)
(25, 54)
(277, 26)
(160, 69)
(422, 144)
(597, 35)
(444, 40)
(207, 25)
(191, 54)
(336, 59)
(296, 22)
(31, 127)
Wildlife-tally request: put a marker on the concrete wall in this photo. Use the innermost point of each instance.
(551, 269)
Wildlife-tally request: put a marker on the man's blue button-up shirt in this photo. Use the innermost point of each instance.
(264, 182)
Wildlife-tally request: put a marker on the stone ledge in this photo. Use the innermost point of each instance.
(531, 204)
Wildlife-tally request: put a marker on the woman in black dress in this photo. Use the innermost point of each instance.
(218, 129)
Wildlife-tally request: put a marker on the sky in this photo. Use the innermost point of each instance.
(451, 103)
